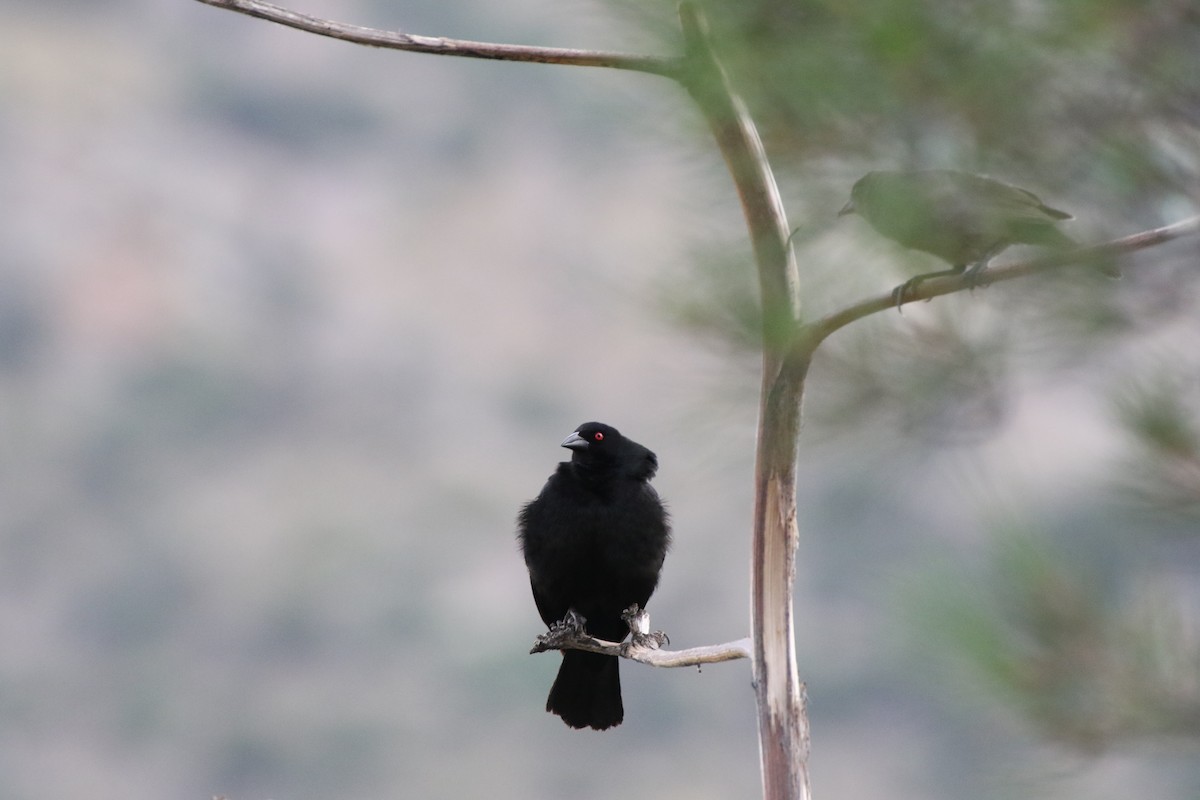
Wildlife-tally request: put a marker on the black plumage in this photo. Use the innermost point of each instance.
(594, 541)
(961, 218)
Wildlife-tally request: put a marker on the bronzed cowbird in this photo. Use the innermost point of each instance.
(594, 540)
(962, 218)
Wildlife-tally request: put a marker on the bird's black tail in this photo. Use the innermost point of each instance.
(587, 691)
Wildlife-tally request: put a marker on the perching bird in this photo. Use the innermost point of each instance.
(594, 542)
(962, 218)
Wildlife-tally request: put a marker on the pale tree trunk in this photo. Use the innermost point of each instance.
(782, 719)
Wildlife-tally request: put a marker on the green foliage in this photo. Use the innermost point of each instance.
(1047, 636)
(1047, 85)
(1160, 415)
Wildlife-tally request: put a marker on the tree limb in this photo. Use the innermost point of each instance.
(438, 45)
(644, 645)
(782, 718)
(813, 334)
(646, 654)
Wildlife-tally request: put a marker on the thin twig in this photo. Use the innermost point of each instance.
(438, 45)
(691, 657)
(643, 645)
(822, 328)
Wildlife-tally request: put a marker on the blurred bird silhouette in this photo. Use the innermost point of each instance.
(961, 218)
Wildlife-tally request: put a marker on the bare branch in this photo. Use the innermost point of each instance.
(645, 653)
(936, 287)
(644, 645)
(437, 45)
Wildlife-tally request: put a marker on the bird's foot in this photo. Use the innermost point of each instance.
(567, 630)
(649, 641)
(573, 623)
(640, 635)
(904, 289)
(971, 274)
(901, 293)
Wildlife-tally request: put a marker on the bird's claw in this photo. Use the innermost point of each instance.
(640, 634)
(637, 618)
(568, 629)
(649, 641)
(971, 274)
(572, 623)
(899, 292)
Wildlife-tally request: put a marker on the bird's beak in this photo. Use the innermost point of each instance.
(575, 442)
(847, 209)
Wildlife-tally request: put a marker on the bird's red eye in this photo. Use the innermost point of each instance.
(599, 437)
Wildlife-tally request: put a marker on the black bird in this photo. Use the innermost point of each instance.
(961, 218)
(594, 542)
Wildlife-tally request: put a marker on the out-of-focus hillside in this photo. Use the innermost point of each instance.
(289, 329)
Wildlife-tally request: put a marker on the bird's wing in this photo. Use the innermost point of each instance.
(1007, 201)
(1019, 214)
(549, 611)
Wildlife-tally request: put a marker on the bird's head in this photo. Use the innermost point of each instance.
(857, 192)
(601, 448)
(867, 189)
(595, 439)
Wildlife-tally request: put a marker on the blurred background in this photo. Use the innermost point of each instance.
(290, 328)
